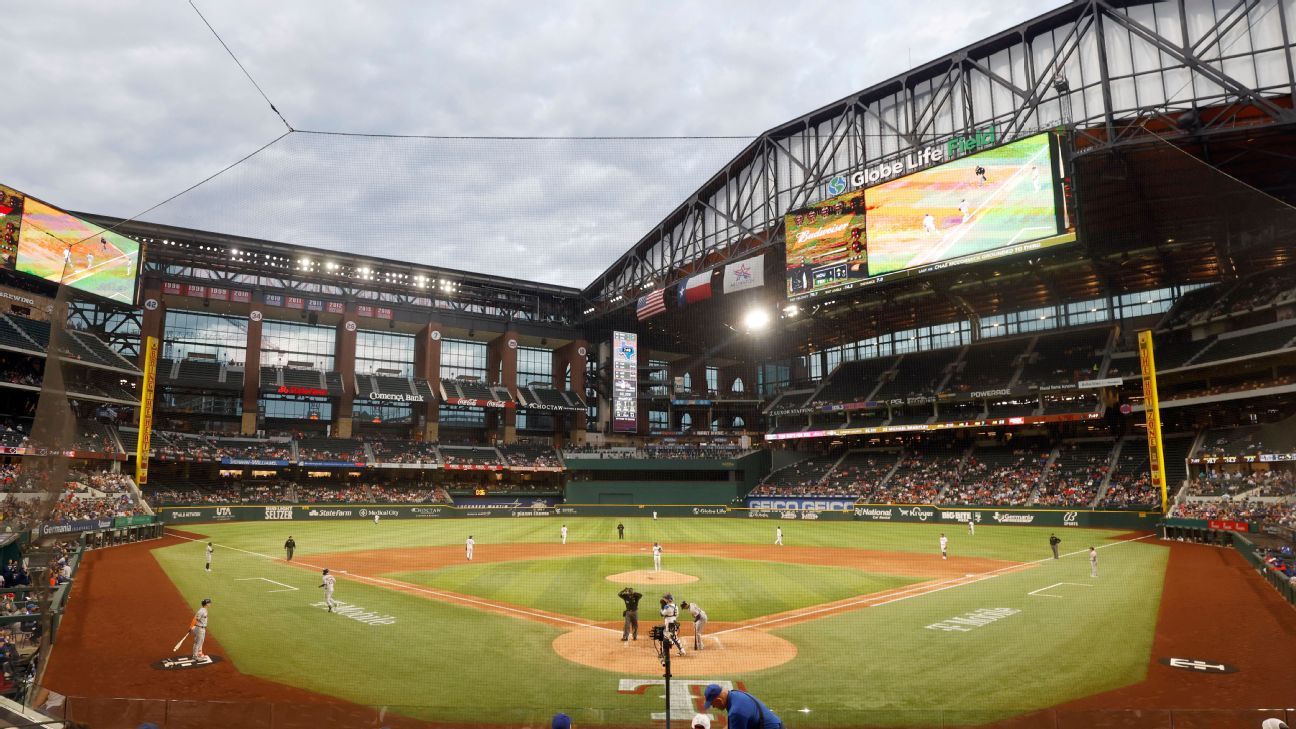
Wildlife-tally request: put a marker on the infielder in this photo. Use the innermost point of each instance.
(971, 527)
(468, 546)
(1093, 562)
(198, 626)
(328, 583)
(210, 549)
(1053, 544)
(778, 536)
(631, 613)
(657, 551)
(289, 546)
(699, 622)
(564, 533)
(964, 210)
(929, 223)
(944, 542)
(670, 615)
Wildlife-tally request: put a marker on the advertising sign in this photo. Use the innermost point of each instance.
(625, 382)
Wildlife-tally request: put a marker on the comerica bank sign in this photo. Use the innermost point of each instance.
(916, 160)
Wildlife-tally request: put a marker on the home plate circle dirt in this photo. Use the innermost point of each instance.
(737, 652)
(649, 577)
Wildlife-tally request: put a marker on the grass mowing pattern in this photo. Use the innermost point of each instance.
(728, 589)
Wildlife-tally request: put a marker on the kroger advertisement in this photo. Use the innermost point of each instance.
(996, 202)
(625, 382)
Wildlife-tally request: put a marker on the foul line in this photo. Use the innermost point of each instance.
(445, 596)
(267, 579)
(927, 588)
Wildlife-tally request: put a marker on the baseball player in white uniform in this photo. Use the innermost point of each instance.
(944, 542)
(929, 223)
(964, 210)
(657, 551)
(778, 536)
(564, 533)
(375, 520)
(699, 622)
(468, 547)
(670, 616)
(327, 584)
(198, 626)
(1093, 562)
(971, 527)
(210, 549)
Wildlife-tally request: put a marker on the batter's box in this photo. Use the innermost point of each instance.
(1044, 591)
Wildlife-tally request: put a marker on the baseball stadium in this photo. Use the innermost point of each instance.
(968, 400)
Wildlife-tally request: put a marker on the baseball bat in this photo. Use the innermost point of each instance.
(182, 640)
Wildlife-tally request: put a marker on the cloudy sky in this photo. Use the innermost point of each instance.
(114, 106)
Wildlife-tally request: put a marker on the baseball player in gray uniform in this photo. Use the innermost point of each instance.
(699, 622)
(210, 549)
(327, 584)
(198, 626)
(670, 615)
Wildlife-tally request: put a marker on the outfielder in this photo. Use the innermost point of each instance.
(699, 622)
(468, 546)
(778, 536)
(210, 549)
(971, 527)
(657, 551)
(198, 626)
(1093, 562)
(944, 542)
(375, 520)
(564, 533)
(670, 615)
(328, 589)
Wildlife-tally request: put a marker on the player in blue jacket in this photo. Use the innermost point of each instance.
(745, 711)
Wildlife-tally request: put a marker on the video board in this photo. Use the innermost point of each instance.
(625, 382)
(65, 249)
(997, 202)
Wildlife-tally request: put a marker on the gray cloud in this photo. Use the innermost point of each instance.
(112, 107)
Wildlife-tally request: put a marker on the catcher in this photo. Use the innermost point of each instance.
(670, 614)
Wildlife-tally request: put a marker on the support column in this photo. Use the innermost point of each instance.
(572, 357)
(252, 371)
(501, 364)
(344, 350)
(427, 366)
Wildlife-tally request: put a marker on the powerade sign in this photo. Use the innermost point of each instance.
(777, 504)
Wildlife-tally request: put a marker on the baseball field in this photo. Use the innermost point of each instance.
(847, 624)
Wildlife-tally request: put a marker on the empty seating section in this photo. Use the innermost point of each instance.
(790, 400)
(999, 475)
(956, 411)
(1244, 441)
(311, 379)
(921, 476)
(1172, 354)
(1077, 474)
(918, 416)
(269, 378)
(1065, 358)
(1192, 305)
(530, 455)
(853, 381)
(469, 455)
(233, 379)
(37, 331)
(790, 424)
(987, 366)
(1012, 409)
(547, 396)
(919, 373)
(796, 477)
(333, 383)
(101, 351)
(423, 388)
(197, 374)
(11, 335)
(1269, 339)
(574, 399)
(859, 474)
(1071, 404)
(330, 449)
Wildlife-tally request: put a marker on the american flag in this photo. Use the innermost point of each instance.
(651, 305)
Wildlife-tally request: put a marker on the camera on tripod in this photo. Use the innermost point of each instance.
(662, 643)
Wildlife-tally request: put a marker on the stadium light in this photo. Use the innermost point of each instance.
(756, 320)
(791, 310)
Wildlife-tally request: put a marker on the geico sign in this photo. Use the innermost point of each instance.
(397, 398)
(805, 504)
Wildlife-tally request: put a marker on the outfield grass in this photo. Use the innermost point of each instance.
(728, 589)
(439, 660)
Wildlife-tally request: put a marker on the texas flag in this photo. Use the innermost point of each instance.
(696, 288)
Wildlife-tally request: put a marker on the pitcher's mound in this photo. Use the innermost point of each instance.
(665, 577)
(737, 652)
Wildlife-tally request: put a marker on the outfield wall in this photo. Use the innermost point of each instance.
(1133, 520)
